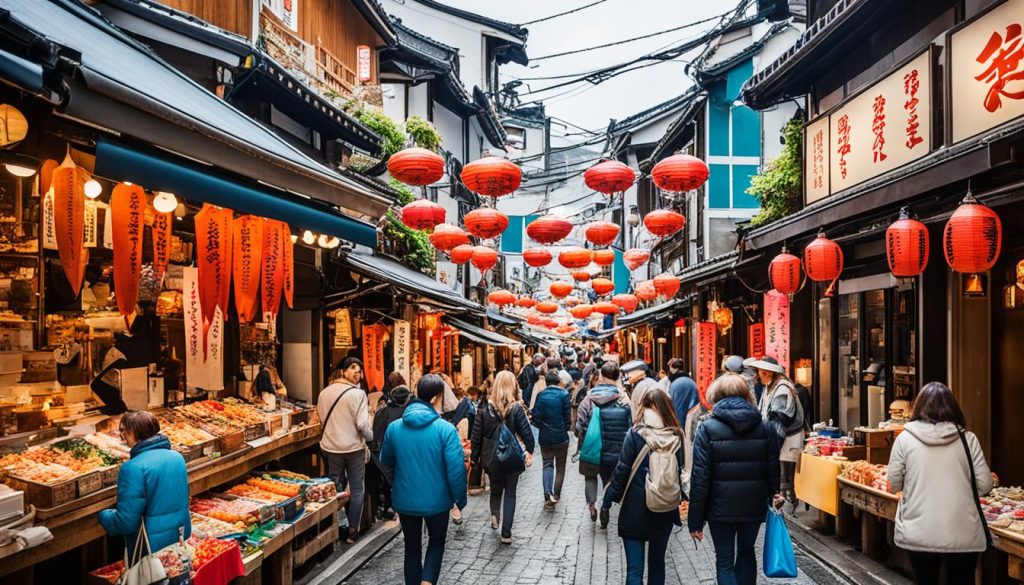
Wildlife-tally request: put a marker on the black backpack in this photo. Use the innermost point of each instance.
(509, 457)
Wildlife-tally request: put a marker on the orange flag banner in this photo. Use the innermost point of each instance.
(69, 220)
(127, 211)
(46, 175)
(288, 265)
(373, 355)
(161, 243)
(248, 260)
(213, 251)
(272, 278)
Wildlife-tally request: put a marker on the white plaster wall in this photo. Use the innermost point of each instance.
(394, 100)
(418, 97)
(450, 126)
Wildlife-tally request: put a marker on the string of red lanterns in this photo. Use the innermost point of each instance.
(784, 273)
(823, 259)
(492, 176)
(446, 236)
(548, 229)
(602, 286)
(485, 223)
(664, 222)
(609, 177)
(461, 254)
(501, 297)
(635, 258)
(666, 285)
(416, 167)
(601, 233)
(537, 257)
(575, 257)
(484, 258)
(560, 289)
(973, 237)
(680, 172)
(423, 214)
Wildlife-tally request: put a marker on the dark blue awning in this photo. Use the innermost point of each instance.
(21, 72)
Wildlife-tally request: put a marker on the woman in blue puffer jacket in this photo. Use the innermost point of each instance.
(152, 486)
(422, 456)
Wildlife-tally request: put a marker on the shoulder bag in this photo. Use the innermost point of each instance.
(145, 569)
(974, 489)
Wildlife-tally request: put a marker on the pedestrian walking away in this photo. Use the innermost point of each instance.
(551, 415)
(734, 479)
(391, 409)
(640, 382)
(423, 458)
(603, 419)
(529, 375)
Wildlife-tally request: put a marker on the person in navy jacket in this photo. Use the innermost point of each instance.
(552, 414)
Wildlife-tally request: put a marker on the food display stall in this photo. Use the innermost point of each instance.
(1004, 511)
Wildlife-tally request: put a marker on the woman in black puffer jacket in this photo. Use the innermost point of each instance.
(735, 474)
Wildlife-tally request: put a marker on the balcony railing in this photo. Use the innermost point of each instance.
(314, 64)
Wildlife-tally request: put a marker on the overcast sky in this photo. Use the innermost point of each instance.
(592, 106)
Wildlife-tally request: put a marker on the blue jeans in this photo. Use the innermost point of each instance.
(554, 457)
(503, 500)
(735, 560)
(418, 568)
(656, 547)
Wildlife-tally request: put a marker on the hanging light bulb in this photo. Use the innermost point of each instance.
(19, 170)
(322, 240)
(93, 188)
(333, 242)
(308, 238)
(165, 202)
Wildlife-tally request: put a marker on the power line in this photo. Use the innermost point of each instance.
(553, 16)
(595, 81)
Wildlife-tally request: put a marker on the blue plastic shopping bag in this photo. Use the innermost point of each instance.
(779, 560)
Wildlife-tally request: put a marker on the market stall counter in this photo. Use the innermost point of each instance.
(874, 506)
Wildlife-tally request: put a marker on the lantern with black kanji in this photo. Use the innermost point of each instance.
(626, 301)
(546, 307)
(973, 237)
(823, 259)
(609, 177)
(634, 258)
(548, 229)
(461, 254)
(537, 257)
(601, 233)
(446, 236)
(416, 167)
(602, 286)
(492, 176)
(664, 222)
(560, 289)
(575, 257)
(784, 273)
(486, 223)
(604, 257)
(680, 172)
(666, 285)
(501, 297)
(422, 214)
(484, 258)
(906, 246)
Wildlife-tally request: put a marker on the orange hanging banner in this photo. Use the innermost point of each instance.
(161, 244)
(69, 220)
(288, 265)
(213, 253)
(707, 357)
(248, 260)
(373, 355)
(272, 277)
(127, 213)
(46, 175)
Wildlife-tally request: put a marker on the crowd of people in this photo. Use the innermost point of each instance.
(665, 454)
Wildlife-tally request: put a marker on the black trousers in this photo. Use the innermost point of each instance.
(928, 566)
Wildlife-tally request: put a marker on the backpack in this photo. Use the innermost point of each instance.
(524, 378)
(663, 486)
(509, 457)
(590, 450)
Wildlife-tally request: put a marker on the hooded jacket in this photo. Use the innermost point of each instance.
(781, 407)
(735, 466)
(616, 420)
(153, 484)
(937, 512)
(642, 387)
(423, 457)
(552, 414)
(683, 391)
(636, 520)
(398, 399)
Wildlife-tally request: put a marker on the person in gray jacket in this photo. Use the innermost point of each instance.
(939, 520)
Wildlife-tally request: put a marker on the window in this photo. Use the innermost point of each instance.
(516, 137)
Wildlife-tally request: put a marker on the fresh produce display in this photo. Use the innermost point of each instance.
(82, 450)
(1004, 508)
(111, 573)
(109, 443)
(183, 434)
(207, 549)
(862, 472)
(318, 489)
(204, 526)
(171, 561)
(241, 513)
(274, 486)
(24, 468)
(244, 490)
(58, 461)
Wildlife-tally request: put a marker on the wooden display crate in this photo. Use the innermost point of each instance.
(872, 438)
(231, 442)
(204, 449)
(108, 475)
(45, 495)
(255, 431)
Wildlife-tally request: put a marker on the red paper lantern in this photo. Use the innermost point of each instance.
(550, 323)
(823, 259)
(547, 307)
(537, 257)
(581, 276)
(461, 254)
(526, 302)
(492, 176)
(602, 286)
(422, 214)
(664, 222)
(534, 319)
(582, 311)
(484, 258)
(604, 257)
(666, 285)
(548, 229)
(635, 258)
(501, 297)
(906, 246)
(784, 273)
(626, 301)
(973, 237)
(680, 172)
(571, 301)
(608, 177)
(486, 223)
(645, 291)
(575, 257)
(606, 308)
(446, 236)
(601, 233)
(560, 289)
(416, 167)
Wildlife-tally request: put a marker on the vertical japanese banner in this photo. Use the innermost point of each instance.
(49, 229)
(436, 348)
(128, 205)
(213, 364)
(403, 348)
(342, 329)
(161, 243)
(373, 356)
(108, 229)
(91, 225)
(201, 372)
(705, 333)
(247, 257)
(69, 221)
(213, 255)
(755, 340)
(776, 327)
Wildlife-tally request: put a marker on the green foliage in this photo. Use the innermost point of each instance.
(411, 246)
(390, 131)
(778, 186)
(423, 133)
(405, 194)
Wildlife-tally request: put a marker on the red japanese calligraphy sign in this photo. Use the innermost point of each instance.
(213, 243)
(247, 258)
(127, 216)
(436, 348)
(705, 333)
(161, 243)
(272, 278)
(69, 220)
(776, 324)
(755, 340)
(373, 355)
(288, 265)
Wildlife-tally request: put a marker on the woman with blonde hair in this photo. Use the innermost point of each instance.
(504, 408)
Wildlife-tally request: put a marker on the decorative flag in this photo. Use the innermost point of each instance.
(49, 227)
(248, 259)
(272, 277)
(127, 209)
(69, 220)
(289, 265)
(706, 332)
(373, 355)
(161, 244)
(213, 363)
(108, 232)
(201, 371)
(776, 320)
(213, 245)
(343, 329)
(402, 348)
(755, 340)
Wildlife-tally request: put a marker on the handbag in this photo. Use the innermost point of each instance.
(145, 569)
(974, 489)
(778, 561)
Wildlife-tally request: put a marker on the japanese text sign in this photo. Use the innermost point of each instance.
(705, 333)
(776, 327)
(403, 348)
(364, 61)
(817, 147)
(755, 340)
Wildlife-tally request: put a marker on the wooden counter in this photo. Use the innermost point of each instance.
(874, 506)
(815, 482)
(1012, 544)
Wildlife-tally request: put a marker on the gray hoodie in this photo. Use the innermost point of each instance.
(938, 512)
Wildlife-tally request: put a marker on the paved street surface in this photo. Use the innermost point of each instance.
(560, 547)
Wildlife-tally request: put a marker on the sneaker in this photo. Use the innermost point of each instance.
(554, 499)
(593, 513)
(604, 518)
(350, 537)
(494, 522)
(506, 540)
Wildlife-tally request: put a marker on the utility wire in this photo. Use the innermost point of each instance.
(553, 16)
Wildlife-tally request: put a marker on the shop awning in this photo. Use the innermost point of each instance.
(530, 339)
(162, 173)
(21, 72)
(384, 269)
(496, 316)
(480, 335)
(708, 269)
(122, 86)
(652, 314)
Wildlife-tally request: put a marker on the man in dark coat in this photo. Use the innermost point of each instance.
(551, 414)
(682, 389)
(529, 375)
(616, 420)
